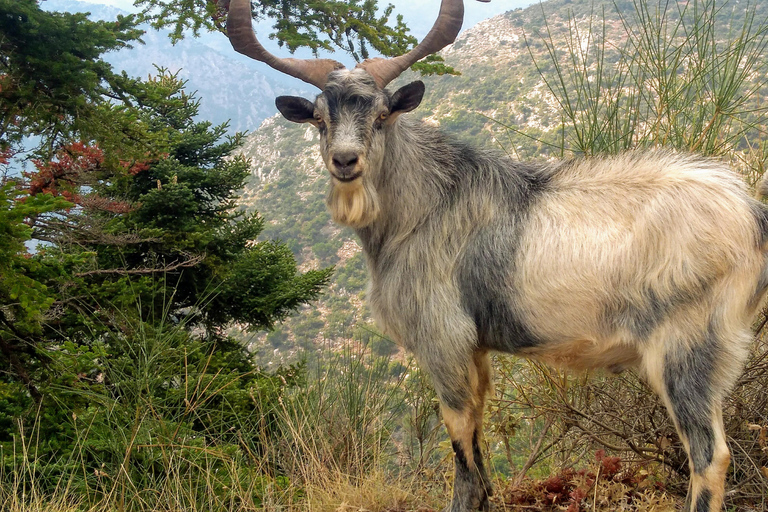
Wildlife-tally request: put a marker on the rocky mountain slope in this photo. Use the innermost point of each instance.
(500, 100)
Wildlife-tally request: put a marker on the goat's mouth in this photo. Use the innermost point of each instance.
(347, 179)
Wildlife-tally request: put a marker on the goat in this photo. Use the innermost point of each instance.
(652, 260)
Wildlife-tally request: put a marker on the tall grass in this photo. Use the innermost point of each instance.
(341, 420)
(686, 75)
(342, 430)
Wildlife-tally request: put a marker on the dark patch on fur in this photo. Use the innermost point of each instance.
(461, 458)
(338, 98)
(687, 378)
(489, 302)
(464, 483)
(703, 501)
(479, 462)
(372, 241)
(641, 316)
(485, 269)
(456, 399)
(470, 491)
(760, 211)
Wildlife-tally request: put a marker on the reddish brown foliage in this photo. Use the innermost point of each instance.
(569, 489)
(609, 465)
(135, 168)
(63, 175)
(76, 165)
(5, 156)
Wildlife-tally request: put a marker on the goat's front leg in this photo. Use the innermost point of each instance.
(462, 396)
(484, 386)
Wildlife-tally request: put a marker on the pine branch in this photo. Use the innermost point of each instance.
(9, 352)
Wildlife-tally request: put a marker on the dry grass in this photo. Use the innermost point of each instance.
(9, 502)
(377, 492)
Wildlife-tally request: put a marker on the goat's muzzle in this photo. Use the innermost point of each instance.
(345, 166)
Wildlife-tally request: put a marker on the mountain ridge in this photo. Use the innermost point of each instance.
(220, 79)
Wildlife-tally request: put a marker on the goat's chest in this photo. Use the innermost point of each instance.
(411, 290)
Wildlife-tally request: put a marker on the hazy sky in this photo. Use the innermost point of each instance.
(419, 14)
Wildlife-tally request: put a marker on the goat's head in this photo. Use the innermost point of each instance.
(354, 111)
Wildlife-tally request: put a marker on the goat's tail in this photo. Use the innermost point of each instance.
(761, 189)
(760, 212)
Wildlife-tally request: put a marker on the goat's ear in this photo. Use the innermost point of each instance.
(296, 109)
(406, 98)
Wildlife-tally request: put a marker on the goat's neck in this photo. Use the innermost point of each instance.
(411, 183)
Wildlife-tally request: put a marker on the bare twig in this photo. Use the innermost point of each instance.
(534, 453)
(143, 271)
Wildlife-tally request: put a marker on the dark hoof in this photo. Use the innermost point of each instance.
(485, 506)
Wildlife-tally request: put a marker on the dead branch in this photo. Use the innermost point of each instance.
(533, 456)
(74, 230)
(191, 262)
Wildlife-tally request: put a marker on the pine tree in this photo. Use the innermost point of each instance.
(143, 262)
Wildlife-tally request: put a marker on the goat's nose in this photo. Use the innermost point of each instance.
(345, 161)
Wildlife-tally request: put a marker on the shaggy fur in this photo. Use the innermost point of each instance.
(652, 260)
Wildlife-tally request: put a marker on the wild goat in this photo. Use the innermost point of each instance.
(652, 260)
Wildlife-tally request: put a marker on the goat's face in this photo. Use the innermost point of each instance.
(354, 113)
(354, 117)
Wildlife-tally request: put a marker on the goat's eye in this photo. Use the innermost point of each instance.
(379, 123)
(319, 120)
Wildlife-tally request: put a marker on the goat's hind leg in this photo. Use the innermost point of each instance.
(462, 393)
(692, 380)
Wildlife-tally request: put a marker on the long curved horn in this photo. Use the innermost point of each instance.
(443, 33)
(243, 39)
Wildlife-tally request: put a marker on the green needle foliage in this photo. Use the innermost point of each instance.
(684, 75)
(319, 25)
(52, 75)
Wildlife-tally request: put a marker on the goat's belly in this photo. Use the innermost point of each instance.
(583, 354)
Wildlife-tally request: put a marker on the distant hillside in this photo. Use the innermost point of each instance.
(499, 100)
(229, 87)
